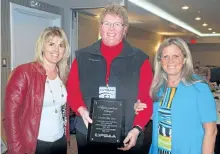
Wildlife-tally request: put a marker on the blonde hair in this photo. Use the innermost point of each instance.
(115, 9)
(62, 65)
(160, 76)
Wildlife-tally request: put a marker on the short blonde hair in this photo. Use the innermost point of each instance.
(115, 9)
(44, 36)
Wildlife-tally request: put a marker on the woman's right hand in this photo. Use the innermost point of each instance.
(138, 106)
(85, 115)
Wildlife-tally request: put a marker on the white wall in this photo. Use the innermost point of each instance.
(72, 4)
(67, 13)
(207, 57)
(145, 40)
(88, 30)
(206, 53)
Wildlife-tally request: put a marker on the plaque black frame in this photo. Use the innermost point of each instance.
(120, 130)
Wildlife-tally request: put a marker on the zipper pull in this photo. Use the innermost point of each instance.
(107, 82)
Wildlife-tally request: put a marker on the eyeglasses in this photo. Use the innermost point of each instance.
(116, 25)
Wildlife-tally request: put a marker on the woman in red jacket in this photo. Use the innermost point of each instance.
(36, 113)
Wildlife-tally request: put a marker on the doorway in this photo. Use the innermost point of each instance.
(22, 22)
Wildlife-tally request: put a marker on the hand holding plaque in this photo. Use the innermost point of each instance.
(108, 121)
(84, 113)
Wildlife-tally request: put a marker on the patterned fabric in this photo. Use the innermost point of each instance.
(63, 109)
(165, 122)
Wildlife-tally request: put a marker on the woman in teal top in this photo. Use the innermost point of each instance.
(184, 114)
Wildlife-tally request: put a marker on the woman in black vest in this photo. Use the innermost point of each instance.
(111, 68)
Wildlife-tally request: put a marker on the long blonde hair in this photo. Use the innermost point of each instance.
(160, 76)
(63, 68)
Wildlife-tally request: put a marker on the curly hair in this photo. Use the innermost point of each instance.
(115, 9)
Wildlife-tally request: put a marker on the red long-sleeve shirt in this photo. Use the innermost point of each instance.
(75, 98)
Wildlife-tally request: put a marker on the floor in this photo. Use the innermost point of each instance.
(72, 149)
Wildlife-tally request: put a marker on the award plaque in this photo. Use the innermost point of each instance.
(108, 121)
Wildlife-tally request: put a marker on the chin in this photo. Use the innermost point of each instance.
(173, 73)
(111, 43)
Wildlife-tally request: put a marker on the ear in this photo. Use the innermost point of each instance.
(125, 31)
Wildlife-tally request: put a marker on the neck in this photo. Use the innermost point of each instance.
(49, 67)
(173, 81)
(112, 46)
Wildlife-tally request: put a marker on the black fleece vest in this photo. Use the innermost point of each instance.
(124, 75)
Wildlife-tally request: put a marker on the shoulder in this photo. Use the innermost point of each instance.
(28, 68)
(202, 86)
(19, 72)
(89, 49)
(197, 88)
(139, 51)
(134, 49)
(23, 67)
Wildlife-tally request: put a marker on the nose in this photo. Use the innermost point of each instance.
(56, 49)
(111, 26)
(171, 59)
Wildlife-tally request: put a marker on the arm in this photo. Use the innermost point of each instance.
(208, 74)
(74, 96)
(144, 116)
(146, 76)
(14, 96)
(208, 116)
(209, 137)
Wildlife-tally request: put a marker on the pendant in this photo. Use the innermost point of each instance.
(62, 95)
(56, 111)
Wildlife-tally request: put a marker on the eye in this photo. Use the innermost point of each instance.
(165, 57)
(106, 23)
(51, 43)
(176, 56)
(117, 24)
(62, 45)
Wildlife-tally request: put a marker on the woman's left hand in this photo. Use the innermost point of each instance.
(138, 106)
(130, 140)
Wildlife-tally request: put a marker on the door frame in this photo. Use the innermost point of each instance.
(6, 34)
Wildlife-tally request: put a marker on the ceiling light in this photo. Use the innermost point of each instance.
(185, 7)
(135, 21)
(213, 32)
(165, 15)
(209, 28)
(197, 18)
(205, 24)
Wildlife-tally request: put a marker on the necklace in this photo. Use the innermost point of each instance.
(61, 90)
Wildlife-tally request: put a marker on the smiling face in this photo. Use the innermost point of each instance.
(112, 30)
(53, 49)
(172, 61)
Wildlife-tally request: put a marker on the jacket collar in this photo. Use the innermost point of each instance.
(39, 67)
(127, 49)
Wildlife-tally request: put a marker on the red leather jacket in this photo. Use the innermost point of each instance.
(23, 106)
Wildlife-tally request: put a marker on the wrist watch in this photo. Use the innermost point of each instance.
(138, 128)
